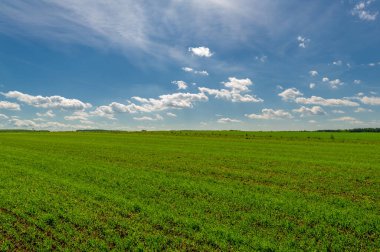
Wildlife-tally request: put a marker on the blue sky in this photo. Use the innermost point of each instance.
(194, 64)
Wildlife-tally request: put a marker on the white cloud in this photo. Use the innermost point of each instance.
(201, 51)
(77, 115)
(262, 59)
(304, 111)
(312, 85)
(45, 125)
(337, 111)
(357, 81)
(293, 94)
(175, 101)
(202, 72)
(279, 87)
(171, 114)
(290, 94)
(104, 111)
(198, 72)
(362, 110)
(370, 100)
(372, 64)
(149, 118)
(360, 10)
(303, 42)
(349, 119)
(180, 84)
(3, 117)
(337, 63)
(313, 73)
(48, 113)
(9, 105)
(335, 83)
(187, 69)
(315, 100)
(325, 79)
(312, 121)
(270, 114)
(22, 123)
(164, 102)
(235, 92)
(53, 102)
(228, 120)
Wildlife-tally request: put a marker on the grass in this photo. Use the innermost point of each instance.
(190, 190)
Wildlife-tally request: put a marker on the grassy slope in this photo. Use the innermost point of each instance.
(190, 190)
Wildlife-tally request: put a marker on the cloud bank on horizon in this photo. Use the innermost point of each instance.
(244, 64)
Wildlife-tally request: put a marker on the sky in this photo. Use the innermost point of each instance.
(189, 64)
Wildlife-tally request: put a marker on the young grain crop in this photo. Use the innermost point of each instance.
(184, 190)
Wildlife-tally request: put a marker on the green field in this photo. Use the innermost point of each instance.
(190, 190)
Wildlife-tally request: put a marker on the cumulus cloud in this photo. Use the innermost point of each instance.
(262, 59)
(269, 114)
(201, 51)
(53, 102)
(316, 100)
(303, 41)
(168, 101)
(3, 117)
(349, 119)
(361, 11)
(180, 84)
(312, 85)
(164, 102)
(77, 115)
(198, 72)
(337, 111)
(20, 123)
(171, 114)
(228, 120)
(335, 83)
(290, 94)
(304, 111)
(48, 113)
(362, 110)
(370, 100)
(9, 105)
(149, 118)
(313, 73)
(235, 92)
(357, 81)
(337, 63)
(325, 79)
(293, 94)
